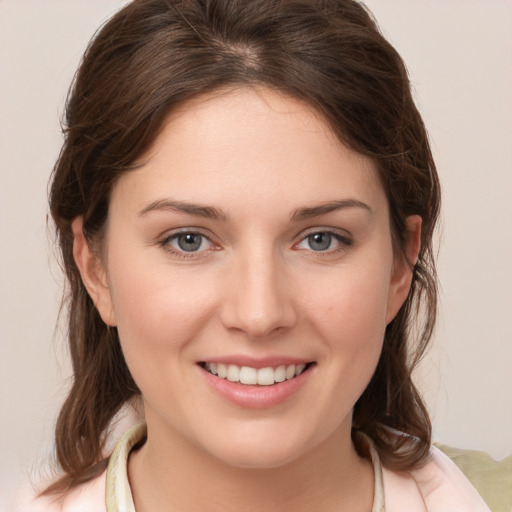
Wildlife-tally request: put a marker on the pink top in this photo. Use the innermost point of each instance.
(438, 486)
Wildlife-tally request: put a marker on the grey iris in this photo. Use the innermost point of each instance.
(190, 242)
(319, 241)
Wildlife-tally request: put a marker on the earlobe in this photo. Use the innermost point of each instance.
(93, 273)
(402, 272)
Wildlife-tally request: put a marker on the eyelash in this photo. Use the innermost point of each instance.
(343, 241)
(182, 254)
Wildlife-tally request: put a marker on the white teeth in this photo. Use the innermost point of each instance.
(290, 371)
(266, 376)
(251, 376)
(280, 373)
(233, 373)
(299, 369)
(222, 371)
(248, 375)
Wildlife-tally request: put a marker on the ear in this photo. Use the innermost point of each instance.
(401, 277)
(93, 273)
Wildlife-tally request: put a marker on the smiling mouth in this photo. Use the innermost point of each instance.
(255, 376)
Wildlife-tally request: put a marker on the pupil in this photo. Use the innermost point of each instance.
(320, 241)
(189, 242)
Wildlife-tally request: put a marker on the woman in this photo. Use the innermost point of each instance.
(245, 204)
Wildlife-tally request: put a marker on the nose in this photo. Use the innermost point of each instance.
(258, 298)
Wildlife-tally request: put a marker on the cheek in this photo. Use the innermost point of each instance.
(350, 318)
(353, 306)
(158, 312)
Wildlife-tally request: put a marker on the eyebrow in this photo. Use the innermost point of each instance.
(208, 212)
(322, 209)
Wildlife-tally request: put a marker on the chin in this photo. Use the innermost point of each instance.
(258, 459)
(259, 450)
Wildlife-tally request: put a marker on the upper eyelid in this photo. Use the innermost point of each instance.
(343, 242)
(165, 243)
(344, 238)
(165, 239)
(337, 232)
(168, 234)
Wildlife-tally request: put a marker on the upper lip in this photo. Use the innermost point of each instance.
(257, 362)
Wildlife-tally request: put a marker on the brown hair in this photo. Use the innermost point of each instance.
(155, 54)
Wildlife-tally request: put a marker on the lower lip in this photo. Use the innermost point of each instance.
(256, 397)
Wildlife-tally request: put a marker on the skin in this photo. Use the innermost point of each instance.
(255, 288)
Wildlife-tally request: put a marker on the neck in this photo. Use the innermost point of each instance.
(168, 473)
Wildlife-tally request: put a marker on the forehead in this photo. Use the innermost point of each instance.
(245, 148)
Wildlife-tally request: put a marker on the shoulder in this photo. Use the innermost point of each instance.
(111, 486)
(88, 497)
(437, 486)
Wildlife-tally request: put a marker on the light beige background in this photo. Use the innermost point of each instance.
(459, 56)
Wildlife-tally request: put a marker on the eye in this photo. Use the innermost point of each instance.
(319, 241)
(324, 241)
(188, 242)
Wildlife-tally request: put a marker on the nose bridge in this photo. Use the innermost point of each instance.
(258, 299)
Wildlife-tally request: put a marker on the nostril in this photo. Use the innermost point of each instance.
(255, 301)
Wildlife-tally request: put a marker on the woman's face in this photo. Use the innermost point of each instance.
(253, 244)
